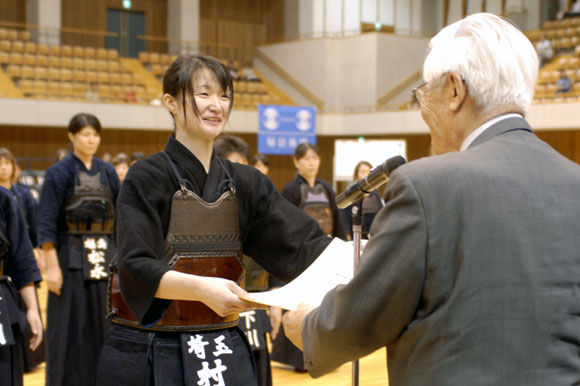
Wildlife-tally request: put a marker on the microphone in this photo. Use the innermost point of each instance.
(377, 177)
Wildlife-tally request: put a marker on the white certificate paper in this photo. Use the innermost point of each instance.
(333, 267)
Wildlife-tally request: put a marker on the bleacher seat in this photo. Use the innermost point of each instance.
(54, 50)
(90, 53)
(42, 60)
(4, 57)
(30, 48)
(29, 60)
(66, 50)
(5, 45)
(66, 74)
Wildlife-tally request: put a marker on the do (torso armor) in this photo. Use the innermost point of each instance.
(202, 239)
(90, 209)
(316, 203)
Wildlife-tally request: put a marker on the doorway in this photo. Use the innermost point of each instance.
(128, 25)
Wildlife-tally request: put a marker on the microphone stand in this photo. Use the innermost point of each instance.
(356, 242)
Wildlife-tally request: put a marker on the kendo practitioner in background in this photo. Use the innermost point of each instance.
(18, 275)
(317, 199)
(75, 222)
(254, 323)
(368, 207)
(28, 208)
(184, 218)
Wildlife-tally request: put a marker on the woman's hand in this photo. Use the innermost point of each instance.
(33, 318)
(28, 294)
(223, 296)
(53, 271)
(54, 279)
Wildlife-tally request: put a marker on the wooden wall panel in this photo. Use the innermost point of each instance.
(36, 146)
(13, 11)
(92, 15)
(242, 23)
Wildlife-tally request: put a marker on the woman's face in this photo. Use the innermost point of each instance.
(212, 102)
(363, 171)
(261, 167)
(85, 141)
(6, 170)
(122, 169)
(308, 165)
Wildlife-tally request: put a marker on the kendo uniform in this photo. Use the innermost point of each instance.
(17, 268)
(29, 208)
(256, 323)
(319, 203)
(369, 207)
(76, 214)
(172, 215)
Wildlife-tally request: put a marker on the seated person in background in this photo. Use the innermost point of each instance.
(92, 94)
(233, 70)
(564, 83)
(576, 8)
(249, 73)
(544, 50)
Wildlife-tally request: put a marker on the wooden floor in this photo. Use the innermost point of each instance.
(372, 369)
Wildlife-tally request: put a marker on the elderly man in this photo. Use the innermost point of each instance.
(472, 273)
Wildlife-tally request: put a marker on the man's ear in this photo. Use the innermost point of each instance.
(458, 90)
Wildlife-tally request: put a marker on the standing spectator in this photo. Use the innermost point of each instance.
(19, 273)
(75, 220)
(28, 207)
(121, 164)
(262, 163)
(61, 154)
(254, 323)
(368, 207)
(317, 198)
(137, 156)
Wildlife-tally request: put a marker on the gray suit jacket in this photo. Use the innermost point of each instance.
(472, 274)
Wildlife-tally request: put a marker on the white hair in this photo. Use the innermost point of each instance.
(496, 60)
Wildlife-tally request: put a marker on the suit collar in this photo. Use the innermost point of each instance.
(503, 126)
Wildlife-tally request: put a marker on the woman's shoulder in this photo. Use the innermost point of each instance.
(149, 170)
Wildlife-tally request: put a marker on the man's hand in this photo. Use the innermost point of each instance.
(292, 321)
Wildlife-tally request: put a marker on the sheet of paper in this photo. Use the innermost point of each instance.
(333, 267)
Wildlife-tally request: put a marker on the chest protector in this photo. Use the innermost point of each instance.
(203, 239)
(90, 209)
(316, 203)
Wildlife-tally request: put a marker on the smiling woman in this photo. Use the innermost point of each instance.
(184, 215)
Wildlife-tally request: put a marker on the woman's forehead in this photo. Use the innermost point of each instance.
(205, 78)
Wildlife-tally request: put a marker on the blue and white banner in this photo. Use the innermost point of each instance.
(282, 128)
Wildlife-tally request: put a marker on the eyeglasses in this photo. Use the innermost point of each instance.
(418, 93)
